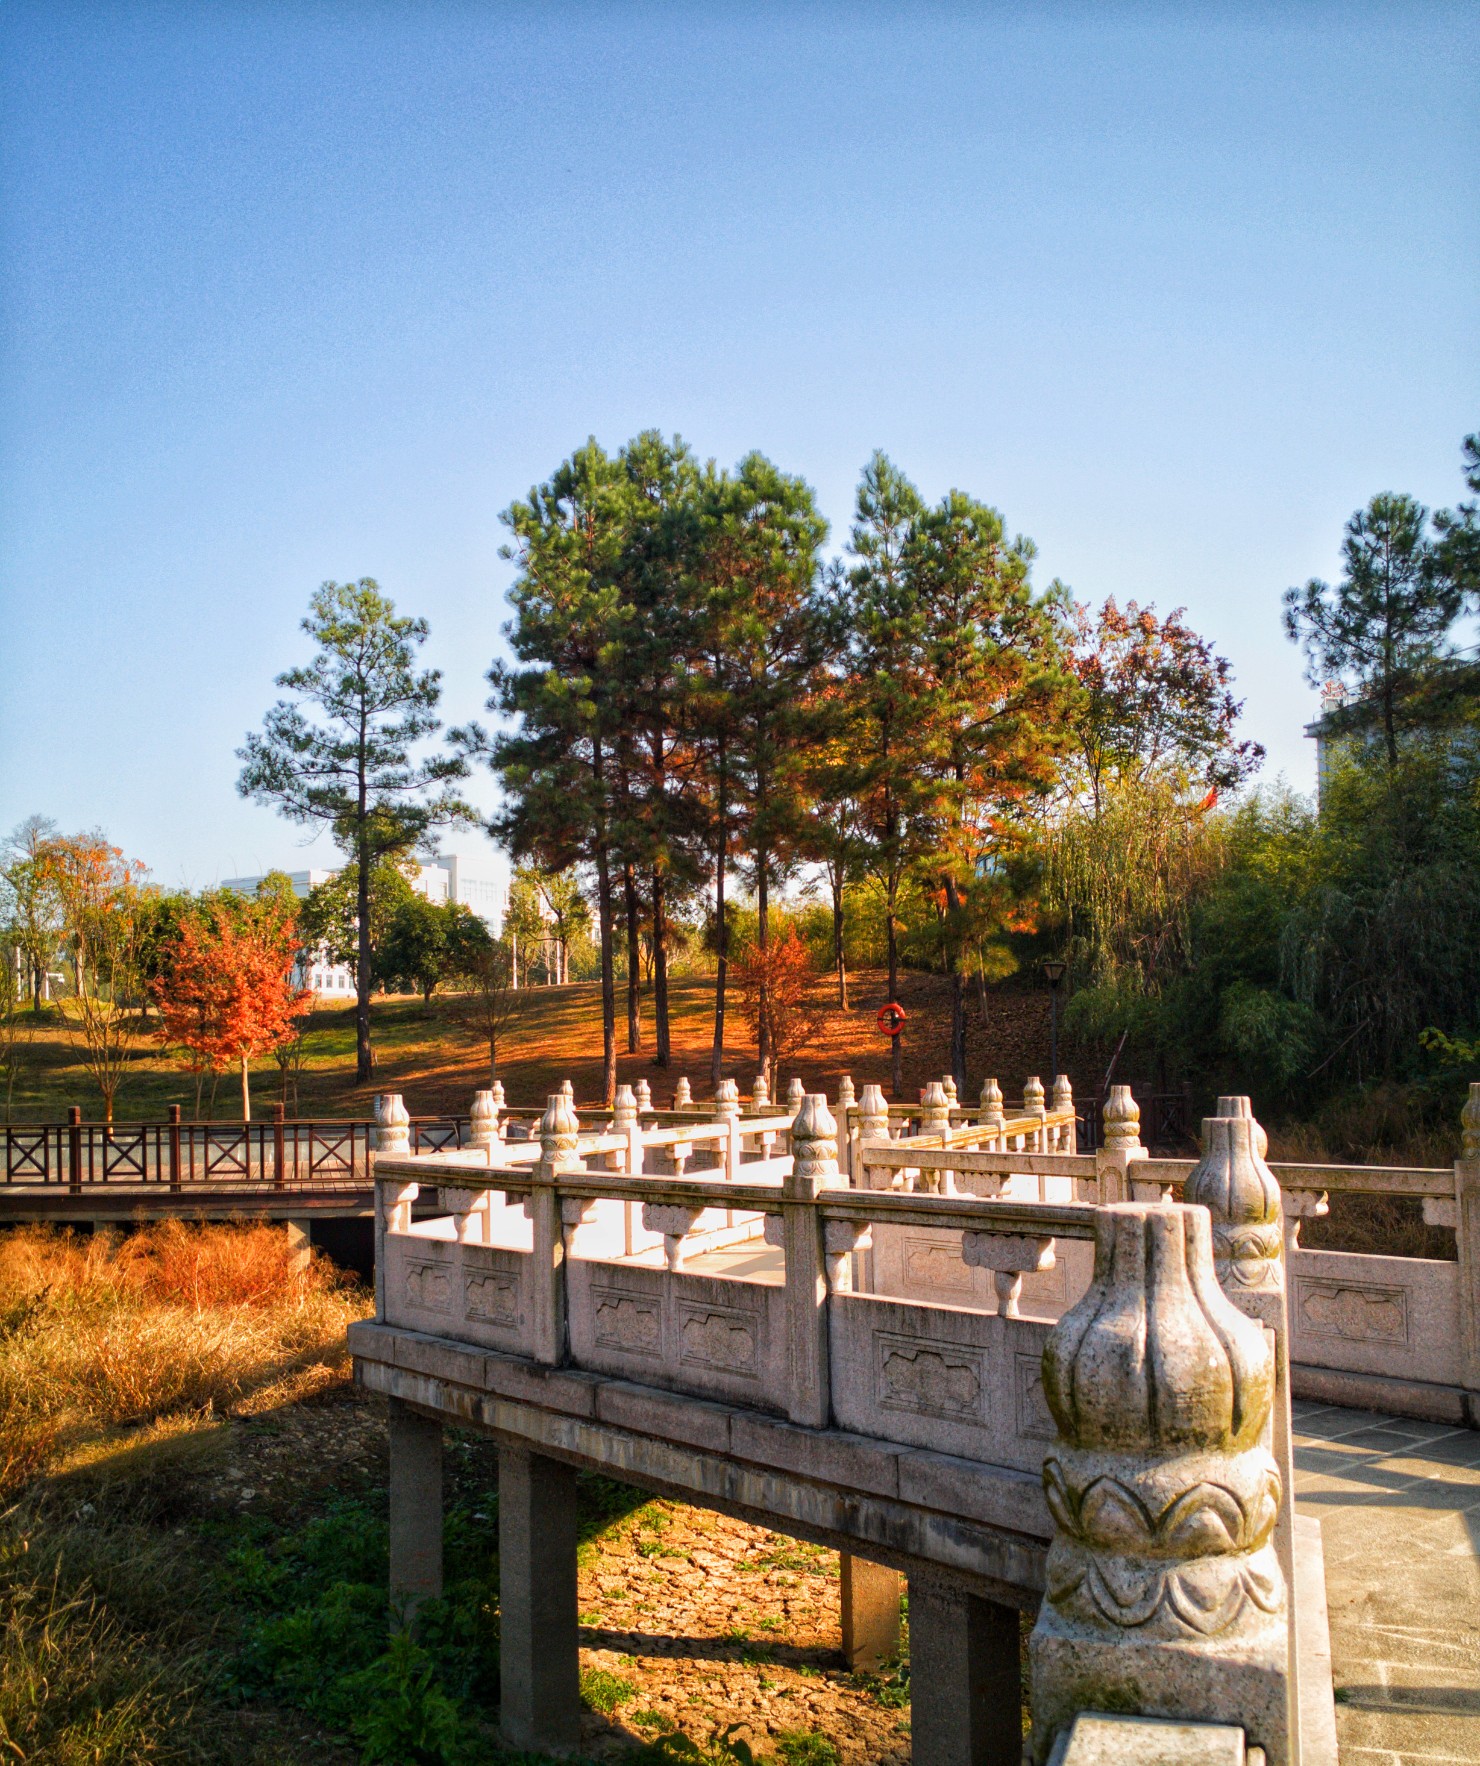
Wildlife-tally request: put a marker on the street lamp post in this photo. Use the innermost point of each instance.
(1053, 974)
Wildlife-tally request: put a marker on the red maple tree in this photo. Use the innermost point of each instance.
(226, 994)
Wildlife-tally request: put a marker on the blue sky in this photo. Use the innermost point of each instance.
(292, 292)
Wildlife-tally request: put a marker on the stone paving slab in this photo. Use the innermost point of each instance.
(1399, 1506)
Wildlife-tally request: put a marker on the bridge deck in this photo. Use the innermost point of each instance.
(1399, 1506)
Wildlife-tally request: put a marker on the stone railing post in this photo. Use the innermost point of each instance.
(796, 1094)
(847, 1103)
(846, 1098)
(1242, 1197)
(1467, 1237)
(871, 1123)
(1067, 1135)
(643, 1092)
(499, 1105)
(760, 1094)
(483, 1124)
(992, 1116)
(935, 1118)
(727, 1108)
(683, 1095)
(392, 1126)
(559, 1133)
(1034, 1105)
(948, 1085)
(814, 1149)
(1164, 1590)
(1120, 1144)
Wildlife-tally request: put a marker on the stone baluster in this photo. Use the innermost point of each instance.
(846, 1099)
(935, 1119)
(624, 1120)
(392, 1133)
(727, 1108)
(1066, 1136)
(469, 1211)
(842, 1241)
(871, 1124)
(1242, 1197)
(683, 1094)
(814, 1166)
(1010, 1256)
(560, 1133)
(992, 1116)
(1467, 1239)
(483, 1124)
(568, 1092)
(948, 1084)
(1033, 1105)
(675, 1221)
(760, 1094)
(644, 1094)
(1298, 1206)
(796, 1093)
(1164, 1591)
(1121, 1144)
(499, 1106)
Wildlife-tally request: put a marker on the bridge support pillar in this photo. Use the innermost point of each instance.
(965, 1657)
(539, 1642)
(300, 1244)
(870, 1612)
(415, 1507)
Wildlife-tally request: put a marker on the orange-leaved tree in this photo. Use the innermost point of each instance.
(776, 995)
(226, 994)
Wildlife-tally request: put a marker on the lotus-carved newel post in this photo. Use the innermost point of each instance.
(559, 1139)
(683, 1094)
(1164, 1590)
(1242, 1197)
(871, 1123)
(991, 1116)
(392, 1135)
(760, 1093)
(483, 1124)
(814, 1166)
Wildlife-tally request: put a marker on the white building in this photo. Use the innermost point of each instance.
(480, 884)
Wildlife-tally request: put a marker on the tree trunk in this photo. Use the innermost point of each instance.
(608, 978)
(763, 944)
(246, 1093)
(363, 1062)
(634, 969)
(958, 990)
(896, 1043)
(660, 973)
(721, 931)
(839, 958)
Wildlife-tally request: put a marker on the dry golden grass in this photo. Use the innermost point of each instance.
(119, 1354)
(116, 1331)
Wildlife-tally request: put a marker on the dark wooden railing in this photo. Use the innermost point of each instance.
(274, 1153)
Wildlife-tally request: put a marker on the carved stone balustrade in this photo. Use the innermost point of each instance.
(1164, 1589)
(683, 1096)
(483, 1131)
(392, 1133)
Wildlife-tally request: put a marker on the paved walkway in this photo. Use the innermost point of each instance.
(1399, 1506)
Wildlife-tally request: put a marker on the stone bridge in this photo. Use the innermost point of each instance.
(870, 1355)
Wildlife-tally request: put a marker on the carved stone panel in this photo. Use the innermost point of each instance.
(428, 1286)
(933, 1265)
(1034, 1420)
(492, 1297)
(629, 1323)
(930, 1378)
(721, 1337)
(1356, 1312)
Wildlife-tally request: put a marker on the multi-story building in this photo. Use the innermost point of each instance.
(479, 883)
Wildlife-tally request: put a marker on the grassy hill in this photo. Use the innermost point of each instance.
(423, 1052)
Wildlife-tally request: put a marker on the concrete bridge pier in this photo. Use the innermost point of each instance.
(415, 1508)
(539, 1635)
(869, 1601)
(965, 1677)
